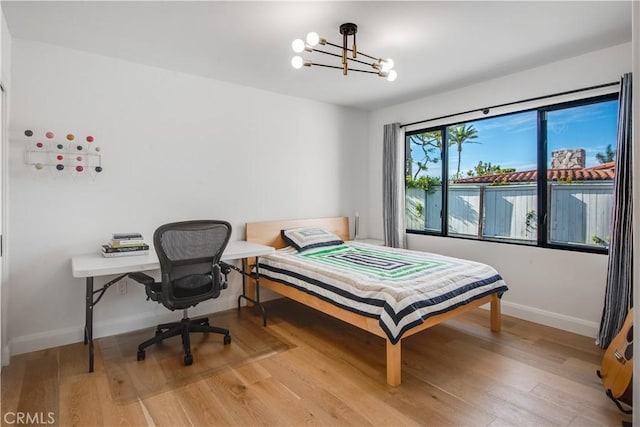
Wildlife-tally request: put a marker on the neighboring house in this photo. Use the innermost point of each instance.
(566, 166)
(580, 203)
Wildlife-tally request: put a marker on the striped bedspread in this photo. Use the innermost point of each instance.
(400, 288)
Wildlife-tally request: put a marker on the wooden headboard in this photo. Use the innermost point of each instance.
(268, 232)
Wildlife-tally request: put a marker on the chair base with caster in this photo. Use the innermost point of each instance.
(183, 328)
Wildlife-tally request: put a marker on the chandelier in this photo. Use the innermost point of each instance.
(349, 55)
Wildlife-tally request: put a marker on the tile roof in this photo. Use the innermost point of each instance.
(603, 172)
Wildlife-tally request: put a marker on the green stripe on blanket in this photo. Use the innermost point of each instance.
(372, 262)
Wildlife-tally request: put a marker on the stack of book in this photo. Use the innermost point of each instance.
(125, 244)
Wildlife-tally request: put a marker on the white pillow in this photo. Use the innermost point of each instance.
(310, 237)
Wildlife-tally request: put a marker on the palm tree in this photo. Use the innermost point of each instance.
(431, 145)
(608, 156)
(459, 135)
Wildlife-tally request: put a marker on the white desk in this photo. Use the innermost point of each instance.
(92, 265)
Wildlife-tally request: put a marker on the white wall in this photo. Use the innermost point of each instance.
(558, 288)
(5, 67)
(175, 147)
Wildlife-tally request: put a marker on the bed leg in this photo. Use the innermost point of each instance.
(495, 313)
(394, 361)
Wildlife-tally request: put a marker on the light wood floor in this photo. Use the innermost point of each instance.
(329, 373)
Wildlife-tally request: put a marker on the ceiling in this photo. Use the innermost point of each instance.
(436, 46)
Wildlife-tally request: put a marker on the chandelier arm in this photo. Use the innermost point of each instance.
(359, 52)
(361, 62)
(368, 56)
(340, 68)
(327, 53)
(364, 71)
(334, 45)
(315, 64)
(340, 56)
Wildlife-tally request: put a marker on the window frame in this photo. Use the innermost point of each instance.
(542, 195)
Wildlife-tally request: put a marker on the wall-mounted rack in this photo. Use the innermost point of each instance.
(77, 155)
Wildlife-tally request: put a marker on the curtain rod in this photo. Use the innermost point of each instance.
(485, 110)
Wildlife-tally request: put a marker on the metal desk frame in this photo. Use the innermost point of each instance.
(89, 266)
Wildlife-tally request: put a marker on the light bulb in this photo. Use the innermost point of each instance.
(387, 64)
(297, 62)
(297, 45)
(313, 38)
(392, 75)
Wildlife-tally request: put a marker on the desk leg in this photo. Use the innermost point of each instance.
(253, 295)
(88, 322)
(243, 273)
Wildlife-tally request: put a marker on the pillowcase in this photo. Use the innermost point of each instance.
(310, 237)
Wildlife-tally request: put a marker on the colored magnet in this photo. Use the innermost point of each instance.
(60, 167)
(59, 157)
(60, 146)
(79, 147)
(71, 136)
(89, 138)
(79, 158)
(98, 149)
(39, 166)
(98, 168)
(28, 132)
(49, 135)
(79, 168)
(39, 145)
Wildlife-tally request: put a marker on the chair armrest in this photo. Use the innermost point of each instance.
(142, 278)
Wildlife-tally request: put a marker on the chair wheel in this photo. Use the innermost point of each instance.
(188, 360)
(227, 339)
(141, 354)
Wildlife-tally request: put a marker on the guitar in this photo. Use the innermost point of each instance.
(616, 371)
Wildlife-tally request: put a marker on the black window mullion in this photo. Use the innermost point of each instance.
(407, 155)
(542, 179)
(444, 212)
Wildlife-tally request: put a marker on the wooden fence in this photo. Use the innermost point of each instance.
(579, 213)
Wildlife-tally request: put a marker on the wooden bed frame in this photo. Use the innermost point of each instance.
(268, 233)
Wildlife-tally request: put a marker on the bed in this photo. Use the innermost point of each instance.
(392, 293)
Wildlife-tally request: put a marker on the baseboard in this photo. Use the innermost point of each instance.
(43, 340)
(548, 318)
(6, 355)
(54, 338)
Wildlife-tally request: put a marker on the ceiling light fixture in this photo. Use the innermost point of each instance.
(381, 67)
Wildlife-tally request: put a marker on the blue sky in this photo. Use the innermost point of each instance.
(510, 141)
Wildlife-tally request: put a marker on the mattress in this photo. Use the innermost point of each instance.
(401, 288)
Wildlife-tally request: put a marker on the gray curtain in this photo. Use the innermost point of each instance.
(619, 291)
(393, 186)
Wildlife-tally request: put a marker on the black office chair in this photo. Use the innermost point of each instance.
(189, 253)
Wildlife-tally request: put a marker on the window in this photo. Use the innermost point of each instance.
(424, 180)
(486, 197)
(539, 177)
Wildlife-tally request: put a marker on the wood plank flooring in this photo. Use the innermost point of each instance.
(328, 373)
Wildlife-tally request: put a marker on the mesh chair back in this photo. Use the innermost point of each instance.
(189, 253)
